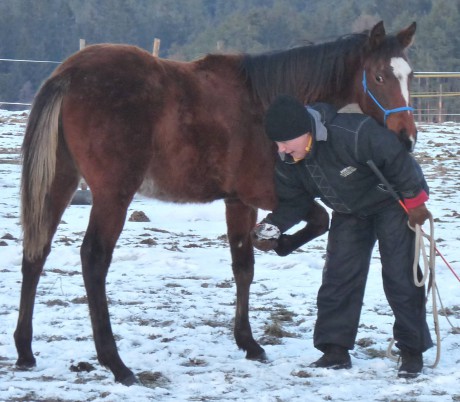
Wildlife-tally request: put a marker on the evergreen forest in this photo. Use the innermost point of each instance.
(50, 30)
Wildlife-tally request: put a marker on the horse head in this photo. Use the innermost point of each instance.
(384, 81)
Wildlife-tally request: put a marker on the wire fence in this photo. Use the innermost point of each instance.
(435, 95)
(32, 61)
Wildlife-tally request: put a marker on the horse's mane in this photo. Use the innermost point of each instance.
(312, 72)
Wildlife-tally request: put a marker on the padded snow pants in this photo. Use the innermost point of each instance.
(340, 297)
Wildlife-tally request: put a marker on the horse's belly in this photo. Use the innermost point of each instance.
(197, 190)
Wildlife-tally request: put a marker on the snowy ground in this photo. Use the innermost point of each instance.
(172, 297)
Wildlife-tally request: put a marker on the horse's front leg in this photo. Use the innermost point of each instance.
(240, 220)
(317, 224)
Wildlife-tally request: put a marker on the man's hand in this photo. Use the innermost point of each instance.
(265, 236)
(418, 215)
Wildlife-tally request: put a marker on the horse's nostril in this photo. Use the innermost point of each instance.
(407, 140)
(412, 144)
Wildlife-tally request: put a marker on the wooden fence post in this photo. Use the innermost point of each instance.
(156, 47)
(440, 117)
(83, 195)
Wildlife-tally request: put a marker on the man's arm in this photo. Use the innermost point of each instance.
(294, 205)
(294, 201)
(400, 169)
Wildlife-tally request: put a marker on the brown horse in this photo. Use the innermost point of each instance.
(126, 121)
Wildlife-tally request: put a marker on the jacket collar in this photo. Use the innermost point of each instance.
(319, 129)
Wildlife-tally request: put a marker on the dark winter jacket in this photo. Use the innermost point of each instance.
(336, 170)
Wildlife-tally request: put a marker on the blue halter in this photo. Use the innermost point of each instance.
(385, 111)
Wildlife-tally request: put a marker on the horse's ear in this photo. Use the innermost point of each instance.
(406, 36)
(377, 35)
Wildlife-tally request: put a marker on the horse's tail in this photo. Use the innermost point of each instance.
(39, 164)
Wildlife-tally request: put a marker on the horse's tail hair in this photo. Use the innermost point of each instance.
(39, 165)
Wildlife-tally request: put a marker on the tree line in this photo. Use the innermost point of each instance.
(188, 29)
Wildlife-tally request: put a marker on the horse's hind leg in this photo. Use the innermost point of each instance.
(240, 220)
(31, 271)
(64, 184)
(106, 222)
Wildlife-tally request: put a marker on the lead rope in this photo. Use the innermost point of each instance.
(429, 273)
(429, 267)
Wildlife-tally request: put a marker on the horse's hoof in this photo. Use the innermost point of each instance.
(130, 380)
(261, 357)
(25, 364)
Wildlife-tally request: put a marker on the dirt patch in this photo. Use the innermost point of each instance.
(139, 216)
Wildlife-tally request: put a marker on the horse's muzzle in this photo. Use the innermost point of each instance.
(409, 140)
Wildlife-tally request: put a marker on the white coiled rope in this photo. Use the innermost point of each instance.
(429, 272)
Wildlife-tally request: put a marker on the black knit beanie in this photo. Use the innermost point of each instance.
(286, 119)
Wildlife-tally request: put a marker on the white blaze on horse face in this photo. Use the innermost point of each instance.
(401, 70)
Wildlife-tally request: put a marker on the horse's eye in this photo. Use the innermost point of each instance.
(379, 79)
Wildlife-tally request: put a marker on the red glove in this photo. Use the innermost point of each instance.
(417, 211)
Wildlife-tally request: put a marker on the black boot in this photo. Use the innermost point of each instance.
(335, 357)
(411, 365)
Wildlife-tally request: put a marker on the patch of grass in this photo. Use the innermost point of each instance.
(80, 300)
(283, 315)
(154, 379)
(56, 302)
(276, 330)
(225, 284)
(375, 353)
(301, 374)
(365, 342)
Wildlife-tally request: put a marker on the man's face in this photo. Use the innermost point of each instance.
(297, 147)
